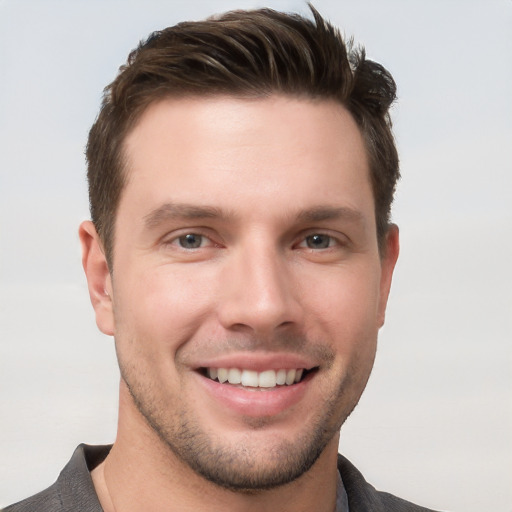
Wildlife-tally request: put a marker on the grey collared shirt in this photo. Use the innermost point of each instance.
(74, 490)
(341, 497)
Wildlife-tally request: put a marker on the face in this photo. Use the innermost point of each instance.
(247, 287)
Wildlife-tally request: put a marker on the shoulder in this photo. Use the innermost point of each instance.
(363, 497)
(47, 500)
(73, 490)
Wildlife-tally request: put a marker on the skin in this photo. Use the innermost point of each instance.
(287, 271)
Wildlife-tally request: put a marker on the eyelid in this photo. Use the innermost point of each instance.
(340, 239)
(172, 238)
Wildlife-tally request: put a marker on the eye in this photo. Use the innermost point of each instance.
(191, 241)
(318, 241)
(184, 242)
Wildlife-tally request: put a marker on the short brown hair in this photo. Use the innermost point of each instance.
(247, 54)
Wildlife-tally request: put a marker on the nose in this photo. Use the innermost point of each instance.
(259, 292)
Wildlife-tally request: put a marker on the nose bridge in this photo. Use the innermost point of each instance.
(259, 291)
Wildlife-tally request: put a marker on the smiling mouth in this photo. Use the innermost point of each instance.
(267, 379)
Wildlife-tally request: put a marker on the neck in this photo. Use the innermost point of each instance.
(142, 473)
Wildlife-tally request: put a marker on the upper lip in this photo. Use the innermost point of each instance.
(259, 362)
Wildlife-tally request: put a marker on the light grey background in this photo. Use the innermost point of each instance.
(435, 424)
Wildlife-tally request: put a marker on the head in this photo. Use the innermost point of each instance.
(245, 54)
(241, 173)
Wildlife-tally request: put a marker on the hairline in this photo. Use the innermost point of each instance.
(136, 116)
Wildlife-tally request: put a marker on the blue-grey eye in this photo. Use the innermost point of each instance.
(191, 241)
(318, 241)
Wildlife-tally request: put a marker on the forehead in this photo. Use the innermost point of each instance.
(246, 151)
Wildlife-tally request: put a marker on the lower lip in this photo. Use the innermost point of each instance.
(255, 403)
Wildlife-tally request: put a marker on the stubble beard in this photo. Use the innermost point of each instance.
(243, 467)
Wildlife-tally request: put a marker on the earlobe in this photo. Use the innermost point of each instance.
(388, 261)
(98, 277)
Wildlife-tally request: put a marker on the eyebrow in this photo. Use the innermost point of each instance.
(322, 213)
(180, 211)
(174, 211)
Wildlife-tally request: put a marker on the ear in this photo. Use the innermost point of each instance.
(98, 277)
(389, 256)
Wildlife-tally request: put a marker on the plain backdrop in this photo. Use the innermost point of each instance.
(435, 423)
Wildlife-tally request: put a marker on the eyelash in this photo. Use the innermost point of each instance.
(332, 241)
(177, 240)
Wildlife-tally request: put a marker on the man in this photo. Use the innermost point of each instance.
(241, 173)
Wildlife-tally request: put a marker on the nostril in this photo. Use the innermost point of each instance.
(285, 324)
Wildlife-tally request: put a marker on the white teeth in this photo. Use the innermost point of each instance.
(281, 377)
(254, 379)
(290, 377)
(249, 378)
(267, 379)
(234, 376)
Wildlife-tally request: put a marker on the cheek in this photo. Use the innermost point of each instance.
(161, 309)
(345, 307)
